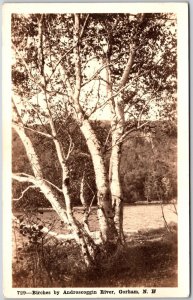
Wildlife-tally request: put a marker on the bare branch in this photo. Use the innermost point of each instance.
(22, 194)
(70, 148)
(34, 130)
(24, 175)
(86, 62)
(82, 199)
(24, 178)
(175, 209)
(142, 125)
(95, 75)
(84, 26)
(77, 57)
(91, 203)
(57, 188)
(163, 215)
(107, 138)
(108, 99)
(126, 134)
(89, 187)
(40, 46)
(84, 154)
(60, 60)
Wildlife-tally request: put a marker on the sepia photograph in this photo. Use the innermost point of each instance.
(97, 177)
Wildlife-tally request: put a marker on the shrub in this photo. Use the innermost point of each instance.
(157, 187)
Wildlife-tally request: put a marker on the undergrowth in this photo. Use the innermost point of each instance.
(148, 259)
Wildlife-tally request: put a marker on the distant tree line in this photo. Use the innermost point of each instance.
(147, 174)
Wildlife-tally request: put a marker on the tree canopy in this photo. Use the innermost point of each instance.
(145, 43)
(67, 70)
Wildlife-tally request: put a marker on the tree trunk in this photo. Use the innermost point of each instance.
(117, 129)
(105, 211)
(62, 205)
(116, 191)
(117, 124)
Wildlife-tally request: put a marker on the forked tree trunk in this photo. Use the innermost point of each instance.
(117, 128)
(104, 203)
(62, 205)
(105, 213)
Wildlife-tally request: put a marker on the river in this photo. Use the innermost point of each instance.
(136, 217)
(139, 217)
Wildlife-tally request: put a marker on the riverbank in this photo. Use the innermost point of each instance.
(148, 259)
(94, 207)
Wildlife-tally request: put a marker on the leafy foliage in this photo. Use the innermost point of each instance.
(44, 62)
(150, 173)
(45, 42)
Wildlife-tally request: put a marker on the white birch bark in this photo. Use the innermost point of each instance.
(62, 208)
(116, 191)
(105, 213)
(85, 207)
(118, 124)
(58, 205)
(38, 180)
(75, 227)
(117, 128)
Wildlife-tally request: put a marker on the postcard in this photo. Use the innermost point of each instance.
(95, 150)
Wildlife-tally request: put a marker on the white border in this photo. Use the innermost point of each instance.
(181, 9)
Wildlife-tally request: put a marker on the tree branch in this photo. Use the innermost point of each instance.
(84, 26)
(95, 75)
(129, 64)
(22, 194)
(67, 52)
(34, 130)
(55, 186)
(26, 178)
(70, 148)
(128, 67)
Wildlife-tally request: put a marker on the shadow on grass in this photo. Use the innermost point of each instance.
(149, 259)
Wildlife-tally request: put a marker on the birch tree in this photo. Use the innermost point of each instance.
(79, 65)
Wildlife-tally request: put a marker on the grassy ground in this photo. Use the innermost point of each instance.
(149, 259)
